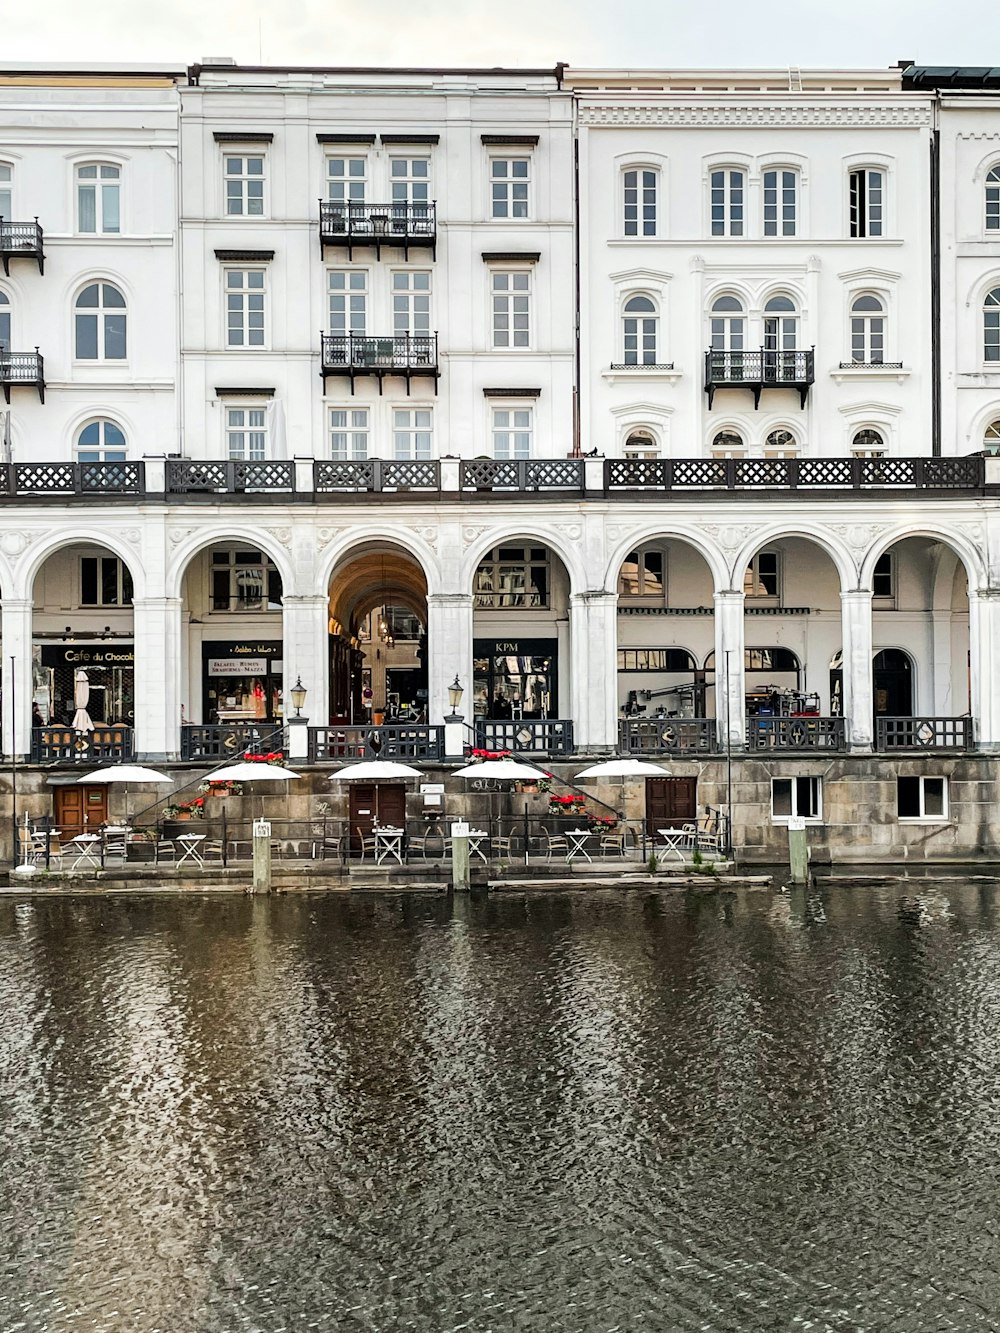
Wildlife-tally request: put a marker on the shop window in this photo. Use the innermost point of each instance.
(244, 581)
(800, 798)
(762, 581)
(643, 575)
(922, 798)
(104, 581)
(513, 576)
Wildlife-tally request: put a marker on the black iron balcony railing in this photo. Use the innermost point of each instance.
(538, 736)
(758, 371)
(376, 475)
(64, 745)
(20, 240)
(31, 480)
(395, 741)
(527, 474)
(354, 354)
(186, 476)
(22, 370)
(673, 735)
(737, 474)
(796, 733)
(401, 225)
(923, 733)
(227, 740)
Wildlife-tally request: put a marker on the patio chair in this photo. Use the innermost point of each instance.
(557, 843)
(365, 841)
(431, 844)
(614, 842)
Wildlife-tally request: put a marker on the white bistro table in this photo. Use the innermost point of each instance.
(477, 836)
(388, 845)
(578, 839)
(191, 849)
(674, 840)
(84, 846)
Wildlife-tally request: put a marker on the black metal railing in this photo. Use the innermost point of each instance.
(20, 370)
(670, 735)
(187, 476)
(21, 240)
(400, 354)
(392, 741)
(64, 745)
(377, 224)
(376, 474)
(641, 365)
(734, 474)
(762, 369)
(521, 474)
(923, 733)
(26, 480)
(540, 736)
(796, 733)
(871, 365)
(228, 740)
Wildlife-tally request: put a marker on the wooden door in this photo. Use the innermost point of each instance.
(387, 798)
(80, 809)
(670, 802)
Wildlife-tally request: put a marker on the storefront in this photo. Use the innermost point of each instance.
(515, 678)
(110, 669)
(242, 681)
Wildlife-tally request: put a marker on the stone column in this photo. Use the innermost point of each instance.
(856, 653)
(17, 682)
(306, 650)
(593, 618)
(158, 677)
(729, 664)
(449, 651)
(984, 653)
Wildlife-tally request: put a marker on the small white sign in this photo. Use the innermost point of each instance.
(237, 666)
(261, 828)
(460, 830)
(432, 788)
(796, 824)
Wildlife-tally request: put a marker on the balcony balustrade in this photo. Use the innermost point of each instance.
(229, 740)
(64, 745)
(794, 474)
(22, 370)
(760, 370)
(188, 476)
(20, 240)
(400, 225)
(381, 475)
(551, 736)
(38, 481)
(366, 742)
(796, 733)
(923, 733)
(404, 354)
(688, 735)
(528, 475)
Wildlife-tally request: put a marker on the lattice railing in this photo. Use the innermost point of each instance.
(549, 736)
(924, 733)
(64, 745)
(365, 742)
(103, 479)
(796, 733)
(376, 474)
(228, 740)
(187, 476)
(668, 735)
(794, 473)
(521, 474)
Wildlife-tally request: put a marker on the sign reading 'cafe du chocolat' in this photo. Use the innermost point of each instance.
(88, 655)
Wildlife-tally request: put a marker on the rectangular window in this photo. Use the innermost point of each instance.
(104, 581)
(244, 178)
(246, 434)
(866, 202)
(6, 181)
(244, 581)
(655, 659)
(643, 576)
(411, 303)
(640, 203)
(512, 432)
(800, 798)
(513, 576)
(511, 309)
(509, 180)
(922, 798)
(348, 298)
(412, 435)
(245, 292)
(349, 431)
(763, 576)
(346, 179)
(728, 194)
(884, 578)
(98, 198)
(780, 202)
(992, 200)
(410, 180)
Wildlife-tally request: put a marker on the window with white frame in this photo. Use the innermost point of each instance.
(101, 323)
(512, 431)
(868, 443)
(510, 178)
(101, 441)
(639, 331)
(993, 199)
(991, 437)
(728, 443)
(349, 434)
(642, 576)
(4, 321)
(244, 580)
(728, 337)
(6, 191)
(98, 198)
(346, 180)
(922, 798)
(244, 181)
(412, 433)
(796, 798)
(781, 338)
(411, 303)
(410, 180)
(641, 443)
(640, 189)
(781, 201)
(348, 300)
(884, 578)
(728, 201)
(991, 326)
(781, 443)
(866, 203)
(104, 581)
(511, 293)
(867, 330)
(246, 433)
(762, 580)
(513, 576)
(246, 291)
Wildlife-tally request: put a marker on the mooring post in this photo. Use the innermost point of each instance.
(460, 857)
(262, 856)
(798, 851)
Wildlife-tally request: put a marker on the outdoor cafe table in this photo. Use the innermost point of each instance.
(477, 837)
(577, 839)
(192, 850)
(388, 845)
(85, 846)
(674, 840)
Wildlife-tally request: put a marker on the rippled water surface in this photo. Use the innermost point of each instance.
(599, 1113)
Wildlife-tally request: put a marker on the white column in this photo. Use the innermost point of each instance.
(449, 650)
(306, 655)
(730, 704)
(157, 685)
(856, 653)
(984, 653)
(593, 670)
(17, 685)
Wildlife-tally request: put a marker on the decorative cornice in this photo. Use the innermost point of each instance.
(871, 115)
(242, 391)
(512, 393)
(257, 256)
(345, 138)
(511, 256)
(243, 136)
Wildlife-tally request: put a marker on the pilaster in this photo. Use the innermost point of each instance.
(593, 669)
(856, 654)
(730, 676)
(16, 676)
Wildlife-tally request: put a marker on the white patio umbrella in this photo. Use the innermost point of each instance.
(622, 768)
(126, 774)
(504, 770)
(248, 772)
(81, 698)
(376, 771)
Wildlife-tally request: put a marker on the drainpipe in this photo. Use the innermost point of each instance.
(577, 451)
(936, 288)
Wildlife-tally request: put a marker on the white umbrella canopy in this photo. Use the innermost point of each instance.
(509, 769)
(81, 698)
(125, 773)
(622, 768)
(248, 772)
(371, 770)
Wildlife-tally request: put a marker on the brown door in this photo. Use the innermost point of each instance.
(388, 800)
(80, 809)
(670, 802)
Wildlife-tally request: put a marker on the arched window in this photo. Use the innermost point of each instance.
(993, 199)
(728, 201)
(4, 322)
(781, 201)
(728, 444)
(728, 338)
(101, 441)
(781, 338)
(641, 443)
(639, 199)
(991, 437)
(98, 197)
(639, 331)
(6, 191)
(868, 443)
(991, 326)
(100, 323)
(867, 330)
(781, 443)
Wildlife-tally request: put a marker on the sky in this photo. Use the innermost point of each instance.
(631, 33)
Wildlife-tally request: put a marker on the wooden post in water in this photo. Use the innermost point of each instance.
(798, 851)
(262, 856)
(460, 857)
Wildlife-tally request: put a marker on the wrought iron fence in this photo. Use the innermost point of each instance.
(376, 474)
(357, 352)
(762, 366)
(101, 479)
(22, 368)
(64, 745)
(186, 476)
(21, 240)
(541, 736)
(363, 224)
(393, 741)
(521, 474)
(796, 733)
(223, 740)
(924, 733)
(672, 735)
(679, 474)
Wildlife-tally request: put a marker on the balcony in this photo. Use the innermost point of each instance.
(353, 354)
(21, 240)
(758, 371)
(365, 742)
(682, 736)
(187, 476)
(38, 481)
(63, 745)
(522, 474)
(796, 733)
(923, 733)
(399, 225)
(22, 370)
(794, 474)
(550, 736)
(384, 476)
(229, 740)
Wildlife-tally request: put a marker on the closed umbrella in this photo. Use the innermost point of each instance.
(81, 698)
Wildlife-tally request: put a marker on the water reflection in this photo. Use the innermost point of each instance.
(584, 1113)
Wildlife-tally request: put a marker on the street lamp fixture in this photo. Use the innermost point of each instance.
(455, 692)
(298, 692)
